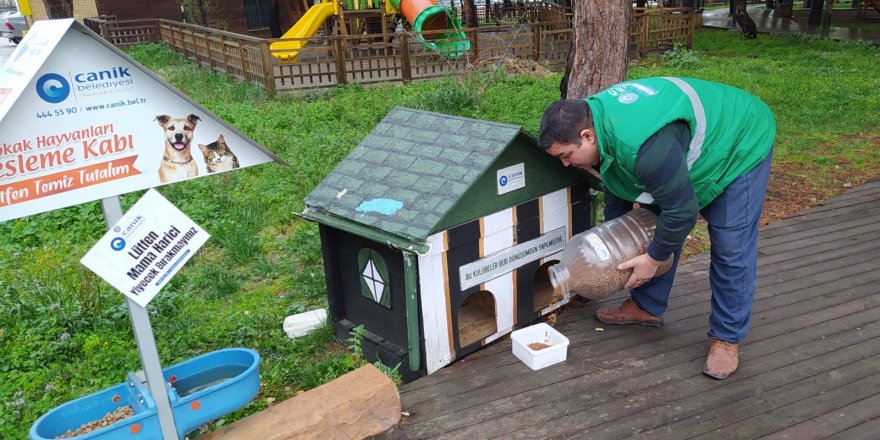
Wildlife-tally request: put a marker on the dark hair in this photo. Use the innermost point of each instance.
(563, 122)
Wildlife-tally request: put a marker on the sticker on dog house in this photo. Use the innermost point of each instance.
(143, 251)
(80, 121)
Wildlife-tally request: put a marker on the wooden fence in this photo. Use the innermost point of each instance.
(392, 57)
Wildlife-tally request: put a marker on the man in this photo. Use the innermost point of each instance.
(677, 146)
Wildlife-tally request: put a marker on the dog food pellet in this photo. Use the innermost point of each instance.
(121, 413)
(538, 346)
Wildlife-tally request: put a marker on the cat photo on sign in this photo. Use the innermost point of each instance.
(218, 156)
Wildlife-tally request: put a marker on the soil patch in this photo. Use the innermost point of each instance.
(513, 66)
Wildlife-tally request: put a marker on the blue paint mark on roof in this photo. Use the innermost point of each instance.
(382, 206)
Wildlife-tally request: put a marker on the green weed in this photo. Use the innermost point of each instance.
(681, 57)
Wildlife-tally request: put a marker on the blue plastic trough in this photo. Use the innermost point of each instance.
(201, 389)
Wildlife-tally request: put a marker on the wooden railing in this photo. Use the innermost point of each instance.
(236, 55)
(661, 28)
(124, 33)
(392, 57)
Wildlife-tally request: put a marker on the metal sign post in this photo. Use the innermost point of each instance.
(146, 342)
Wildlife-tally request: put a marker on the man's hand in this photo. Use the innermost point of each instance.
(644, 268)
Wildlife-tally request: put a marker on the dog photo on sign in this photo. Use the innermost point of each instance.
(177, 161)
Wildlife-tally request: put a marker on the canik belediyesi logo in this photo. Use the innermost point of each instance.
(53, 88)
(117, 244)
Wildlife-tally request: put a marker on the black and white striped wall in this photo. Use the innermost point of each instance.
(484, 278)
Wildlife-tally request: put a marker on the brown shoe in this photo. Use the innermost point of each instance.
(722, 360)
(628, 313)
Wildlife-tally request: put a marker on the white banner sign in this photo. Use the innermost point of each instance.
(143, 251)
(501, 262)
(81, 121)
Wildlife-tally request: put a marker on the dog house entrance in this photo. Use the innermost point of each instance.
(476, 318)
(542, 290)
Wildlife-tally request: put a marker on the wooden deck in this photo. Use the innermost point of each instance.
(809, 369)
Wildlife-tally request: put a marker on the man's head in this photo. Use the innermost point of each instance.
(567, 133)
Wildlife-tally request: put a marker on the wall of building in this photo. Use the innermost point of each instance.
(226, 15)
(231, 13)
(81, 9)
(130, 10)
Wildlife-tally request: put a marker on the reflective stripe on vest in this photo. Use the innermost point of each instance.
(695, 149)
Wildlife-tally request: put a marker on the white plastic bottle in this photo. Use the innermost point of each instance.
(590, 259)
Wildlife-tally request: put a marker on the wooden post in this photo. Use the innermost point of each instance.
(405, 71)
(643, 35)
(242, 55)
(268, 67)
(385, 38)
(475, 46)
(103, 27)
(223, 48)
(691, 25)
(157, 33)
(339, 48)
(536, 41)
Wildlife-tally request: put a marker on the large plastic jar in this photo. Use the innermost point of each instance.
(590, 259)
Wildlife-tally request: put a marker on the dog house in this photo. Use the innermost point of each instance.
(437, 232)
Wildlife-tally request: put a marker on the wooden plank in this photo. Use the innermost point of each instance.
(665, 412)
(835, 421)
(860, 228)
(871, 210)
(869, 429)
(812, 385)
(570, 409)
(655, 345)
(617, 364)
(846, 201)
(803, 401)
(859, 198)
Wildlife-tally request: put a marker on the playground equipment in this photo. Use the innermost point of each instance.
(306, 27)
(425, 16)
(201, 389)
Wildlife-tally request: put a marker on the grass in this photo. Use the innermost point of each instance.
(64, 333)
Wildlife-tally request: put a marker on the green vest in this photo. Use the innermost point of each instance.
(732, 131)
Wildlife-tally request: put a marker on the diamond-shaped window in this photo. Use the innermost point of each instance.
(374, 276)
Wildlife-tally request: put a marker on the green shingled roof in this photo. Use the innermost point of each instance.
(411, 170)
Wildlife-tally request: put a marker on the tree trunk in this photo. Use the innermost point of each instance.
(745, 22)
(826, 14)
(59, 8)
(816, 12)
(597, 55)
(469, 11)
(732, 14)
(203, 11)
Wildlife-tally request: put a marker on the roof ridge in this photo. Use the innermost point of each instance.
(448, 116)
